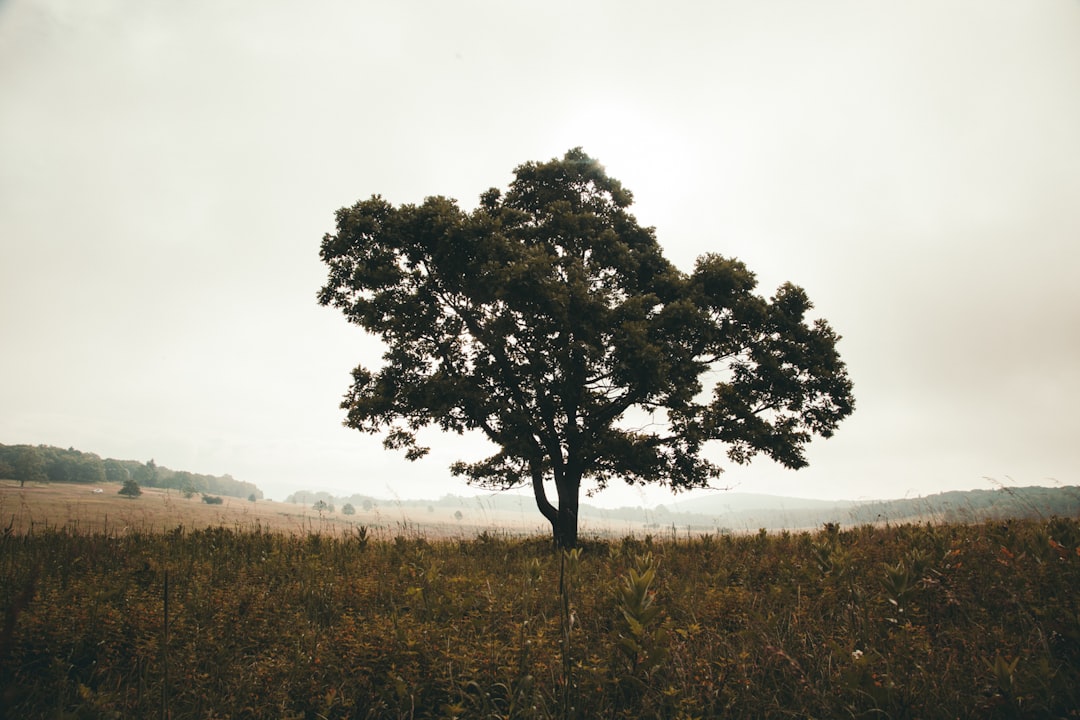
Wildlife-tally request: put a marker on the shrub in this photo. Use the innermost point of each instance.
(131, 488)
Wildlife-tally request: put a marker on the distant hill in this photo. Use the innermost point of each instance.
(743, 511)
(46, 463)
(729, 502)
(749, 511)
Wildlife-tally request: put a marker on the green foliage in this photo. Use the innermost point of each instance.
(42, 463)
(146, 474)
(212, 500)
(968, 506)
(115, 471)
(348, 509)
(29, 465)
(547, 316)
(643, 640)
(45, 462)
(644, 645)
(271, 625)
(131, 488)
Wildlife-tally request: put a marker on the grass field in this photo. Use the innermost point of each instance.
(77, 507)
(220, 613)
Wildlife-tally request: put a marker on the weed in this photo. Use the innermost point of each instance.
(641, 637)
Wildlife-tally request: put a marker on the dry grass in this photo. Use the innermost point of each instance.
(927, 621)
(77, 507)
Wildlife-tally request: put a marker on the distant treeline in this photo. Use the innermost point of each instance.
(480, 503)
(962, 506)
(306, 497)
(45, 463)
(773, 513)
(1004, 503)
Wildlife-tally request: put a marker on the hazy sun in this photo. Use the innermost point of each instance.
(640, 147)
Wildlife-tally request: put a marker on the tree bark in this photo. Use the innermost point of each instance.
(542, 503)
(566, 525)
(564, 518)
(565, 529)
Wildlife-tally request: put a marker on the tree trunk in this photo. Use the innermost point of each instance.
(565, 527)
(566, 522)
(546, 508)
(564, 519)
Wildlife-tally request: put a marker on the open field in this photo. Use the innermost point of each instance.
(238, 620)
(77, 507)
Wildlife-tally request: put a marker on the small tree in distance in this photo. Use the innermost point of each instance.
(348, 509)
(130, 489)
(549, 321)
(29, 465)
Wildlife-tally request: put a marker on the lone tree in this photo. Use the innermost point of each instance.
(29, 465)
(549, 320)
(131, 488)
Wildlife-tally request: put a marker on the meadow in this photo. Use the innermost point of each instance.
(76, 507)
(249, 620)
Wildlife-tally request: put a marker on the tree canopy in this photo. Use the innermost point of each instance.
(549, 320)
(131, 488)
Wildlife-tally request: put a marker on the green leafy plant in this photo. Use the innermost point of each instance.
(642, 642)
(901, 579)
(641, 639)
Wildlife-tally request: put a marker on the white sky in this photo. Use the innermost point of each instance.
(168, 169)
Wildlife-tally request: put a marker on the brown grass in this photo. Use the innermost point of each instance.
(76, 506)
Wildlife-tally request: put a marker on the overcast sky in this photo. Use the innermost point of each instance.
(168, 169)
